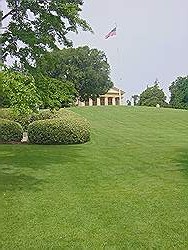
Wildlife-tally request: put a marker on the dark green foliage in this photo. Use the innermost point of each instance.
(128, 103)
(25, 120)
(135, 99)
(20, 91)
(54, 93)
(67, 130)
(86, 68)
(179, 93)
(152, 96)
(4, 101)
(10, 131)
(38, 25)
(51, 127)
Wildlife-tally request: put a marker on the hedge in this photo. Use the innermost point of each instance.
(10, 131)
(26, 120)
(68, 130)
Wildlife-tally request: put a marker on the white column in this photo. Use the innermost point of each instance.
(80, 103)
(106, 101)
(90, 102)
(113, 101)
(98, 102)
(120, 97)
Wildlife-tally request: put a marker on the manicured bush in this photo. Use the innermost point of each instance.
(6, 113)
(69, 129)
(25, 120)
(10, 131)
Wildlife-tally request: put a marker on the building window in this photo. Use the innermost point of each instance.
(109, 100)
(117, 100)
(94, 102)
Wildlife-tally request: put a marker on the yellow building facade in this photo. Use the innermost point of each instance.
(114, 96)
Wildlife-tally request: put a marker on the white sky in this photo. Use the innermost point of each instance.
(151, 40)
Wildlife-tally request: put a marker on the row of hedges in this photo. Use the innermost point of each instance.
(60, 127)
(25, 120)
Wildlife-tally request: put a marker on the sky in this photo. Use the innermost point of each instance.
(151, 40)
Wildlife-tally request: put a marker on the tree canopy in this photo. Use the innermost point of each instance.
(86, 68)
(152, 96)
(54, 93)
(37, 26)
(179, 93)
(18, 90)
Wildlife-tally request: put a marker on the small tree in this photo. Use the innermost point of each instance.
(135, 99)
(128, 103)
(152, 96)
(179, 93)
(54, 93)
(18, 90)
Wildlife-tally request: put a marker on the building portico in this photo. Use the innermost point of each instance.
(113, 97)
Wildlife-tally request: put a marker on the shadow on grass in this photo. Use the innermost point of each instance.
(26, 167)
(181, 161)
(38, 156)
(18, 182)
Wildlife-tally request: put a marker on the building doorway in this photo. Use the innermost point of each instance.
(87, 102)
(109, 100)
(94, 102)
(102, 101)
(117, 101)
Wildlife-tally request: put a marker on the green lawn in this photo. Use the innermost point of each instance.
(125, 189)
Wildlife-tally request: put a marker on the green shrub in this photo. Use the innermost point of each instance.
(10, 131)
(18, 89)
(41, 115)
(6, 113)
(68, 130)
(25, 120)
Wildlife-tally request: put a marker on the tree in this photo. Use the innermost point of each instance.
(128, 103)
(135, 99)
(179, 93)
(18, 91)
(152, 96)
(36, 26)
(86, 68)
(54, 93)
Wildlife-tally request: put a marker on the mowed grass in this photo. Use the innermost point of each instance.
(125, 189)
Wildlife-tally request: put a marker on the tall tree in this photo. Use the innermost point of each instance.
(152, 96)
(36, 26)
(179, 93)
(86, 68)
(135, 99)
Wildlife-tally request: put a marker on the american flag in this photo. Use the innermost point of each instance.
(111, 33)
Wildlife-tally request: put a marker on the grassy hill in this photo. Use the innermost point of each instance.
(125, 189)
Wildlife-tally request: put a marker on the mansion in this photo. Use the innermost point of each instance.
(114, 96)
